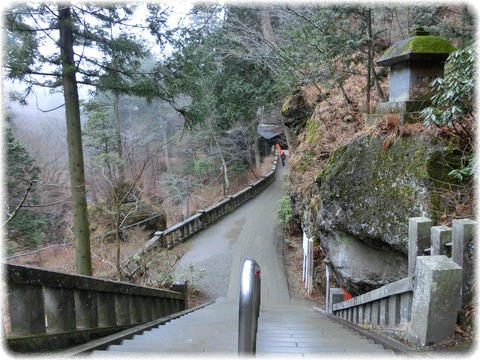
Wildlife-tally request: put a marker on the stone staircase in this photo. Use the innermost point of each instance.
(290, 330)
(299, 329)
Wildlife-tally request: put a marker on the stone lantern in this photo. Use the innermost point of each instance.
(414, 63)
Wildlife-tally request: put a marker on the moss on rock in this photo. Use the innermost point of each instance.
(371, 193)
(365, 195)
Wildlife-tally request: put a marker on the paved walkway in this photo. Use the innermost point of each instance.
(285, 328)
(251, 231)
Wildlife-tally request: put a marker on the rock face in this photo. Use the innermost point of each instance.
(365, 196)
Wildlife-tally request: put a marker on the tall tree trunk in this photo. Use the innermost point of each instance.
(118, 239)
(81, 229)
(256, 147)
(118, 135)
(378, 87)
(166, 147)
(266, 23)
(226, 182)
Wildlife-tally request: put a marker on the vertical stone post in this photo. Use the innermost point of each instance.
(309, 277)
(394, 310)
(86, 309)
(136, 309)
(440, 236)
(336, 296)
(181, 287)
(106, 309)
(435, 300)
(462, 237)
(148, 308)
(383, 318)
(463, 232)
(122, 309)
(418, 240)
(157, 308)
(144, 308)
(406, 307)
(327, 285)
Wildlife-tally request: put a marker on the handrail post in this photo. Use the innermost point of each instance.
(249, 307)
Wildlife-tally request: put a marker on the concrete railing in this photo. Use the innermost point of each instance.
(52, 310)
(181, 232)
(427, 301)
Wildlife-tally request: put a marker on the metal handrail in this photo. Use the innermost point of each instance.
(249, 307)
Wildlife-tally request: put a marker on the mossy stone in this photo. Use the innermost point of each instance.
(370, 193)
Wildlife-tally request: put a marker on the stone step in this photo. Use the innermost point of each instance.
(282, 330)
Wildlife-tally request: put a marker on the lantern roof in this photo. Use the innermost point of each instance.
(421, 46)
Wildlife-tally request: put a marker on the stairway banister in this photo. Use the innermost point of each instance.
(50, 309)
(249, 307)
(395, 288)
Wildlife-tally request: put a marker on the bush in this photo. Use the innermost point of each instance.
(285, 212)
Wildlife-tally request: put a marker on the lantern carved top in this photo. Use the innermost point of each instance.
(421, 46)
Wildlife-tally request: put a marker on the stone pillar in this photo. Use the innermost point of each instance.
(436, 300)
(336, 296)
(86, 309)
(418, 240)
(440, 236)
(406, 307)
(383, 319)
(122, 309)
(462, 238)
(136, 309)
(181, 287)
(106, 309)
(463, 233)
(393, 310)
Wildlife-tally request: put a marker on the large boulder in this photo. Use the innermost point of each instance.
(367, 191)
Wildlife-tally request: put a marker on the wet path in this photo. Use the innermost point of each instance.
(250, 231)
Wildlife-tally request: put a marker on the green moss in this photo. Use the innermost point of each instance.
(377, 188)
(303, 161)
(312, 132)
(430, 44)
(285, 106)
(418, 45)
(322, 175)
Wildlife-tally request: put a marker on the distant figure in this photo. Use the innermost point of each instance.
(283, 156)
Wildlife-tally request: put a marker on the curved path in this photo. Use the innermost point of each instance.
(250, 231)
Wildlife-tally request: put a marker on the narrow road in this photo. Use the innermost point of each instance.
(250, 231)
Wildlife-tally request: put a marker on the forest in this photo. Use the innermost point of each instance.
(157, 107)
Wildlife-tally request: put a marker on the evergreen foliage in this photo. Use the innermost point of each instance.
(453, 106)
(25, 225)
